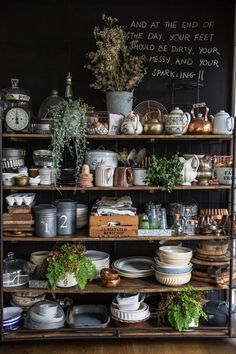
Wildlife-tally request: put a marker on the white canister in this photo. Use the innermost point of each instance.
(104, 176)
(46, 175)
(139, 176)
(101, 157)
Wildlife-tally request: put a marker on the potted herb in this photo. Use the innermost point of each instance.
(68, 266)
(165, 172)
(185, 308)
(69, 122)
(116, 70)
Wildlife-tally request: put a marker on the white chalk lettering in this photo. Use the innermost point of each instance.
(204, 50)
(212, 62)
(171, 24)
(155, 25)
(138, 24)
(156, 36)
(180, 37)
(184, 61)
(203, 37)
(159, 59)
(186, 24)
(181, 49)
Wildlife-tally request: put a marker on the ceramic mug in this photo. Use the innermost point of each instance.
(139, 176)
(123, 177)
(104, 176)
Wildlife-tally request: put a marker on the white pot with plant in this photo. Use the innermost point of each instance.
(117, 72)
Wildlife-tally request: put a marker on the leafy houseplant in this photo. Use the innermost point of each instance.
(69, 131)
(68, 258)
(113, 65)
(184, 308)
(165, 172)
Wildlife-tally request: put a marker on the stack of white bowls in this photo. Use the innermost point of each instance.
(100, 260)
(173, 267)
(81, 215)
(129, 309)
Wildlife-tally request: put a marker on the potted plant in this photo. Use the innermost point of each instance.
(164, 172)
(184, 308)
(116, 70)
(69, 123)
(68, 266)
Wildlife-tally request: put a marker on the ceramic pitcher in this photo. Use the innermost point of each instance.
(131, 125)
(189, 171)
(123, 177)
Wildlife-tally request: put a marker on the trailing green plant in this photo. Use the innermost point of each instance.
(184, 307)
(112, 64)
(69, 123)
(69, 258)
(165, 172)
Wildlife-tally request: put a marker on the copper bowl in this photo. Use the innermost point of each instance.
(111, 283)
(21, 181)
(109, 274)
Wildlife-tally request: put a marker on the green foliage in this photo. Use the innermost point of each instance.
(184, 307)
(113, 65)
(164, 172)
(69, 122)
(69, 258)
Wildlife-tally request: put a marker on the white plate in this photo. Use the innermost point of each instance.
(134, 265)
(96, 256)
(37, 317)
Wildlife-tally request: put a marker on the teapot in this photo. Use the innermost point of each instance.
(189, 171)
(131, 125)
(200, 124)
(177, 121)
(222, 123)
(153, 124)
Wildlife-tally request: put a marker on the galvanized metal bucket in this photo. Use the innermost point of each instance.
(45, 220)
(119, 102)
(66, 216)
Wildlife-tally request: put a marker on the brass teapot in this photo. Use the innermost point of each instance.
(200, 125)
(153, 124)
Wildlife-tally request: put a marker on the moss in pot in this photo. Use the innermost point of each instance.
(68, 258)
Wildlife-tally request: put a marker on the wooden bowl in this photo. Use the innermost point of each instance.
(213, 247)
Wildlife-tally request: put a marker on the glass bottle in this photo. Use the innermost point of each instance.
(68, 90)
(144, 223)
(153, 218)
(163, 221)
(177, 227)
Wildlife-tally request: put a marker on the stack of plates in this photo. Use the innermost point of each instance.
(11, 318)
(81, 216)
(134, 267)
(100, 260)
(36, 319)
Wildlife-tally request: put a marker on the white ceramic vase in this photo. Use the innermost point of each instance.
(68, 281)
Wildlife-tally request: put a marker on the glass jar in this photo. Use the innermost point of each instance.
(14, 271)
(144, 223)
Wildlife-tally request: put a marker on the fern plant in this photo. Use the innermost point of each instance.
(69, 258)
(185, 306)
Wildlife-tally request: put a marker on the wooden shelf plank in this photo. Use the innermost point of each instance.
(114, 332)
(83, 236)
(122, 137)
(133, 188)
(127, 285)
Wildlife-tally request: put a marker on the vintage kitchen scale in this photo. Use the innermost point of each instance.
(16, 108)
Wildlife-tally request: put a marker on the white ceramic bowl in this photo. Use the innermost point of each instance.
(176, 252)
(26, 301)
(128, 306)
(124, 299)
(224, 175)
(173, 262)
(8, 179)
(11, 314)
(37, 317)
(38, 257)
(131, 315)
(172, 279)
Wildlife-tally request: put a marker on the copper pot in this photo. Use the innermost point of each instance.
(200, 125)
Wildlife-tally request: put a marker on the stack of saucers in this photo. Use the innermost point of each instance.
(129, 310)
(11, 318)
(173, 267)
(100, 260)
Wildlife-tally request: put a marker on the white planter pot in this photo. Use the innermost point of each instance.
(68, 281)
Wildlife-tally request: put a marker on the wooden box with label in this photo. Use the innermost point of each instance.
(113, 226)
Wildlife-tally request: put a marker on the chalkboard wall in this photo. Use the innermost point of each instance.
(182, 42)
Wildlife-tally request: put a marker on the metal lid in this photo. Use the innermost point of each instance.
(65, 204)
(45, 209)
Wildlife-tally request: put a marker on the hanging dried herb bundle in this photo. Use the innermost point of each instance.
(69, 131)
(113, 65)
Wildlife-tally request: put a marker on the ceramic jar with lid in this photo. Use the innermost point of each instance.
(101, 157)
(177, 121)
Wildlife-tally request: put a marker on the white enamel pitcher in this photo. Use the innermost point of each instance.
(189, 171)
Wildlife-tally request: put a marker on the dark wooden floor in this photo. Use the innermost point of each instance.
(144, 346)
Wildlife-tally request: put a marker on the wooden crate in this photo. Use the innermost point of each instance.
(105, 226)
